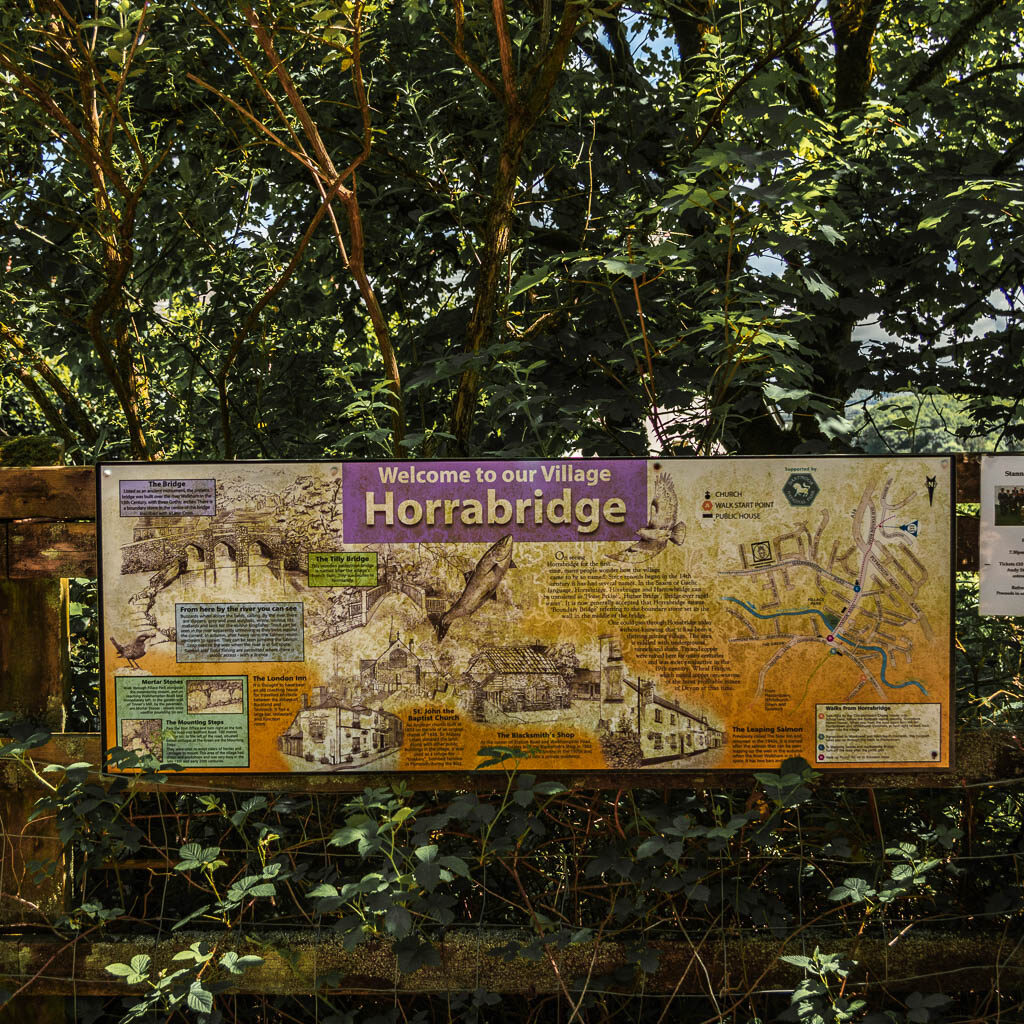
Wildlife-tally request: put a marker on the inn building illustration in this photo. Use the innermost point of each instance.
(329, 731)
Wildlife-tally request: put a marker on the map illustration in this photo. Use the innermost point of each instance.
(860, 597)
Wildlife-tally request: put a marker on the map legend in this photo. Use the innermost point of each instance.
(893, 733)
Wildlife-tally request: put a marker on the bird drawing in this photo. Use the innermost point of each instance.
(131, 652)
(481, 584)
(661, 527)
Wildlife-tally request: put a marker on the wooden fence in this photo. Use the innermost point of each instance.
(47, 534)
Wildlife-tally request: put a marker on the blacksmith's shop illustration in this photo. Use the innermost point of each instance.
(517, 678)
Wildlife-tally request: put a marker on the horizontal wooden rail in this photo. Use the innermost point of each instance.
(59, 550)
(48, 492)
(69, 492)
(983, 757)
(47, 521)
(296, 964)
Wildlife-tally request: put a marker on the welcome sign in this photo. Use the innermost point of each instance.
(450, 500)
(339, 617)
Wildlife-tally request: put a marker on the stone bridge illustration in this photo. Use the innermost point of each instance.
(353, 607)
(194, 543)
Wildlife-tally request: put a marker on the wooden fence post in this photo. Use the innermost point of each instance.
(34, 673)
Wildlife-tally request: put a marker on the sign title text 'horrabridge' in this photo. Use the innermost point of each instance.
(545, 500)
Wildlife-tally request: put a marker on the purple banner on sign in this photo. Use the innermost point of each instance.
(548, 500)
(168, 497)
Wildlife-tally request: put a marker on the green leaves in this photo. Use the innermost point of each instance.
(253, 887)
(134, 973)
(413, 953)
(495, 755)
(790, 786)
(248, 808)
(903, 878)
(233, 964)
(856, 890)
(199, 998)
(529, 791)
(193, 856)
(632, 270)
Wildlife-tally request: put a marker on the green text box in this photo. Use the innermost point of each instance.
(343, 569)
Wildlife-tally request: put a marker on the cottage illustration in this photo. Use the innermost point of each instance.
(638, 726)
(667, 729)
(331, 732)
(396, 668)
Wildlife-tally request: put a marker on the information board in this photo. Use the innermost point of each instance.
(1001, 536)
(604, 614)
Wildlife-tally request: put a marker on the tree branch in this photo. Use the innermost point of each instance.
(458, 45)
(254, 314)
(38, 364)
(295, 154)
(355, 258)
(508, 73)
(953, 45)
(853, 27)
(806, 89)
(495, 244)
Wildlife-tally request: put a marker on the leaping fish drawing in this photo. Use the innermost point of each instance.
(661, 527)
(481, 584)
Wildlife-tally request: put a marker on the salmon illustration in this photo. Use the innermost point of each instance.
(481, 584)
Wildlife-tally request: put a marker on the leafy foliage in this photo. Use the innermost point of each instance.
(697, 227)
(353, 229)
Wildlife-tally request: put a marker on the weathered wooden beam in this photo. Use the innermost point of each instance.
(728, 965)
(34, 648)
(34, 676)
(61, 549)
(68, 492)
(54, 550)
(48, 492)
(982, 756)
